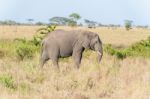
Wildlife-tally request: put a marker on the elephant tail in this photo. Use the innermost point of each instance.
(41, 51)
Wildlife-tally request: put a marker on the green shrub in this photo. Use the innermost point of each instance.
(25, 50)
(22, 40)
(36, 40)
(108, 49)
(141, 48)
(120, 55)
(7, 81)
(41, 33)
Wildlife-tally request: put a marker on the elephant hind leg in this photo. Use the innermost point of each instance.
(55, 62)
(43, 59)
(55, 58)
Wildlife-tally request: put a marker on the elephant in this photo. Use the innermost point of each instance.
(62, 43)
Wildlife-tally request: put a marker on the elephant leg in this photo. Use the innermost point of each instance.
(77, 59)
(43, 59)
(77, 56)
(54, 58)
(55, 62)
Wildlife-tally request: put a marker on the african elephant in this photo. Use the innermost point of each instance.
(61, 43)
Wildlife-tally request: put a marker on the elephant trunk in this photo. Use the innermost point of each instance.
(99, 51)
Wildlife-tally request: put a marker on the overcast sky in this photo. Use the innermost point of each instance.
(103, 11)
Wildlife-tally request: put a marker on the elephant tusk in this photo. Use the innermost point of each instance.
(99, 53)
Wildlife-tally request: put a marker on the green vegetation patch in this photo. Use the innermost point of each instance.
(26, 50)
(7, 81)
(141, 48)
(23, 48)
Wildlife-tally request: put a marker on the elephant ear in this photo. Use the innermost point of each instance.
(85, 40)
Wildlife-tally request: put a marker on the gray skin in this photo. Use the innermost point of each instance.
(60, 43)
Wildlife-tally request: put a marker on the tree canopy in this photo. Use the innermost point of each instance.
(59, 20)
(90, 23)
(75, 16)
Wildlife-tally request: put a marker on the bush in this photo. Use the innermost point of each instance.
(25, 51)
(108, 49)
(7, 81)
(121, 55)
(41, 33)
(118, 53)
(128, 24)
(27, 48)
(141, 48)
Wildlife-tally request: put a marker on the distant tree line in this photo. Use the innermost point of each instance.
(9, 22)
(12, 22)
(73, 20)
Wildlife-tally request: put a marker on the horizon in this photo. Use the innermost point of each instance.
(102, 11)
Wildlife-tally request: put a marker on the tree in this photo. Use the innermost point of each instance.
(128, 24)
(74, 16)
(142, 26)
(90, 24)
(39, 23)
(8, 22)
(30, 21)
(59, 20)
(72, 23)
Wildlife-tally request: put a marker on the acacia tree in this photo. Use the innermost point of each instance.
(90, 24)
(74, 17)
(30, 21)
(71, 20)
(128, 24)
(72, 23)
(59, 20)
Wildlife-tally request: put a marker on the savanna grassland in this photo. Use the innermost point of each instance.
(114, 78)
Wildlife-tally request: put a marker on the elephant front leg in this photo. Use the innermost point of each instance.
(77, 60)
(77, 56)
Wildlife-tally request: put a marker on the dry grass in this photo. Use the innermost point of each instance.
(118, 36)
(112, 79)
(12, 32)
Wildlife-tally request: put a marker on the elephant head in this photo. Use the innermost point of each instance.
(92, 41)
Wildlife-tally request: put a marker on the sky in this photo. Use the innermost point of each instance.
(103, 11)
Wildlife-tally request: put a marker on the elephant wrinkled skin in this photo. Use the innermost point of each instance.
(60, 43)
